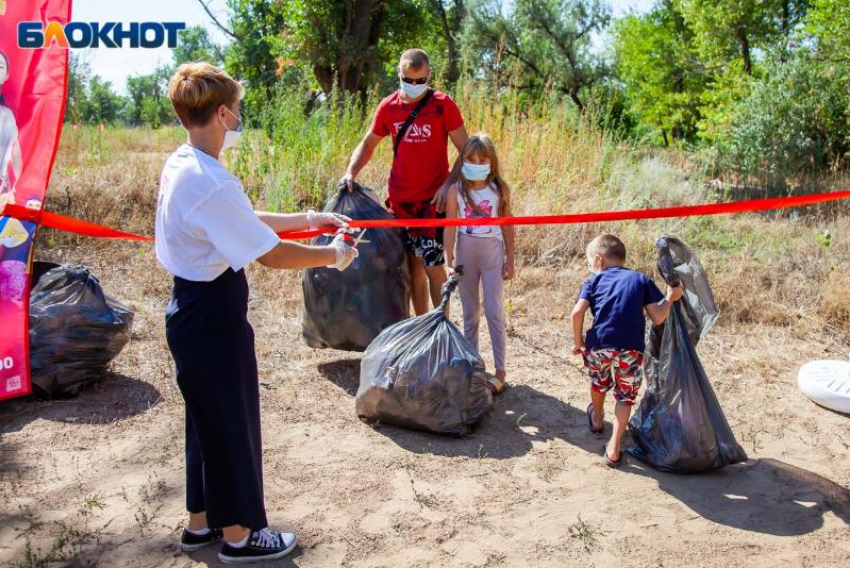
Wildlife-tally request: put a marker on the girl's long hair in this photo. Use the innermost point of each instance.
(6, 59)
(482, 145)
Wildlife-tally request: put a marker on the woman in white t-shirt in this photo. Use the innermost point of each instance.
(206, 233)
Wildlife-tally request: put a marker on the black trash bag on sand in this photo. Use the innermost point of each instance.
(423, 374)
(679, 425)
(75, 331)
(347, 310)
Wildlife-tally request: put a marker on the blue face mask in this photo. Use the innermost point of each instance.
(413, 91)
(475, 172)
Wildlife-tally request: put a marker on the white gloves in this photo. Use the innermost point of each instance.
(325, 220)
(345, 254)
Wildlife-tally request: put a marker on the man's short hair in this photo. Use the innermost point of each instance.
(609, 246)
(197, 90)
(413, 59)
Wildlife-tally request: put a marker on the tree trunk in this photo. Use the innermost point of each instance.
(785, 21)
(325, 77)
(574, 96)
(453, 71)
(744, 42)
(360, 24)
(450, 31)
(785, 27)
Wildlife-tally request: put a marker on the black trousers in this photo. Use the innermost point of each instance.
(212, 343)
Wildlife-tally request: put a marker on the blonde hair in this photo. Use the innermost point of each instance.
(413, 59)
(609, 246)
(482, 145)
(197, 90)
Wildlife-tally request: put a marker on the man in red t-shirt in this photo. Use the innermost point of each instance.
(419, 178)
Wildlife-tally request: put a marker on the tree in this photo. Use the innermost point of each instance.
(735, 28)
(148, 96)
(90, 99)
(79, 72)
(656, 59)
(256, 27)
(103, 104)
(829, 22)
(195, 45)
(450, 15)
(549, 39)
(345, 43)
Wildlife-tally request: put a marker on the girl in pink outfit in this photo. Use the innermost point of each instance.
(485, 252)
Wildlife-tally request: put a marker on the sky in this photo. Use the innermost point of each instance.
(116, 65)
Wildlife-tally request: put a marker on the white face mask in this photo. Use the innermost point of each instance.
(3, 74)
(413, 91)
(231, 137)
(475, 172)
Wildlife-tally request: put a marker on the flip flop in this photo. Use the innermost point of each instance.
(613, 464)
(593, 430)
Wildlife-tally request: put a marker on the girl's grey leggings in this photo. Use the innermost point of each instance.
(483, 259)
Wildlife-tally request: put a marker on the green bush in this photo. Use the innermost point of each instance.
(791, 125)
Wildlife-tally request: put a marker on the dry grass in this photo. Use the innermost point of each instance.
(771, 268)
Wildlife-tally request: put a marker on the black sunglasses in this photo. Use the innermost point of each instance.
(411, 81)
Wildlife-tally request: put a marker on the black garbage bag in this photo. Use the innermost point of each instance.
(679, 425)
(75, 331)
(347, 310)
(423, 374)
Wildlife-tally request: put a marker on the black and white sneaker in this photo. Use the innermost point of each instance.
(262, 545)
(191, 541)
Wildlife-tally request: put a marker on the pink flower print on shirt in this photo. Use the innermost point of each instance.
(485, 209)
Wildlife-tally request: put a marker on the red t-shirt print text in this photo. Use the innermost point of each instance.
(422, 163)
(416, 134)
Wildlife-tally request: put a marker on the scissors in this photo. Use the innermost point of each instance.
(351, 241)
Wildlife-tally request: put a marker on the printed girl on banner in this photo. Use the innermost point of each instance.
(10, 148)
(485, 252)
(14, 235)
(14, 258)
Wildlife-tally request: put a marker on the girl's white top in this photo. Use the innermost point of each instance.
(487, 200)
(205, 223)
(8, 137)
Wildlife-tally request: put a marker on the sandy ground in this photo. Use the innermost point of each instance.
(99, 479)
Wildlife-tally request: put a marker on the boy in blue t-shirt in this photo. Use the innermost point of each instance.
(614, 346)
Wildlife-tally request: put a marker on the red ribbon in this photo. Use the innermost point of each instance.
(70, 225)
(683, 211)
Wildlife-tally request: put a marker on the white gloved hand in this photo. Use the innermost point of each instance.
(326, 220)
(345, 254)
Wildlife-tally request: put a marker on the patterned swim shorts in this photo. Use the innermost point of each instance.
(617, 368)
(426, 243)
